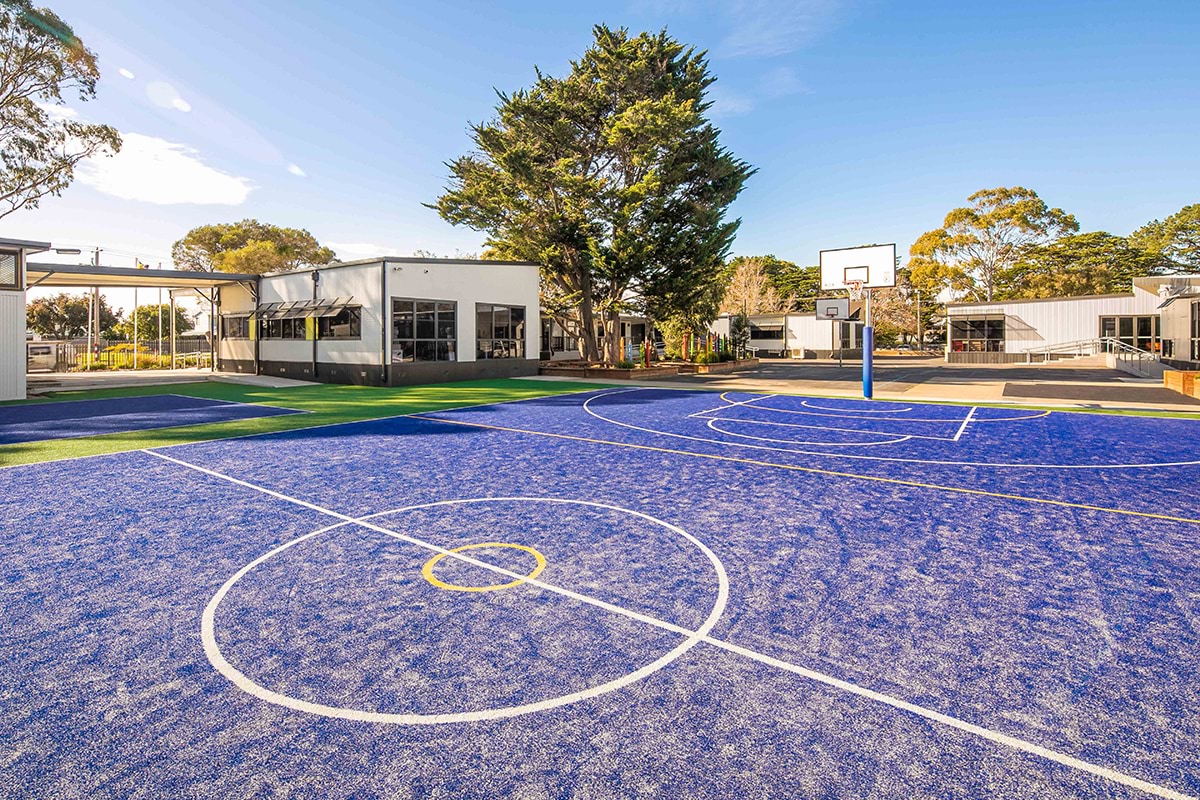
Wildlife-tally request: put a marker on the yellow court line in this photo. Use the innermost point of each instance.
(818, 471)
(427, 570)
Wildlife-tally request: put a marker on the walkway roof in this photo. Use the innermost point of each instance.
(86, 276)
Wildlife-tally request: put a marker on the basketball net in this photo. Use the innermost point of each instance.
(856, 289)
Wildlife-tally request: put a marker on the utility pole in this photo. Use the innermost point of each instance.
(94, 308)
(920, 332)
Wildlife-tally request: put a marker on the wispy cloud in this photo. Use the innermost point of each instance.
(775, 27)
(295, 170)
(728, 104)
(155, 170)
(781, 82)
(351, 251)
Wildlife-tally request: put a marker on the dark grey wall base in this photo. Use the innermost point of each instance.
(399, 374)
(450, 371)
(1176, 363)
(231, 365)
(300, 370)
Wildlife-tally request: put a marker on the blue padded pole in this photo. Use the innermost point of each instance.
(868, 346)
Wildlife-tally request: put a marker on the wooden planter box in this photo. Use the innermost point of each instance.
(610, 373)
(1186, 383)
(717, 369)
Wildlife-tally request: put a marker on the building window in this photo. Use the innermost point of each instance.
(1140, 332)
(499, 331)
(424, 330)
(766, 331)
(8, 270)
(978, 334)
(235, 327)
(282, 329)
(1196, 331)
(346, 324)
(555, 339)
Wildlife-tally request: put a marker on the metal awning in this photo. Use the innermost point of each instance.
(87, 276)
(298, 309)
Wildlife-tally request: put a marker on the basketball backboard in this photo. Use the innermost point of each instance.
(833, 308)
(874, 265)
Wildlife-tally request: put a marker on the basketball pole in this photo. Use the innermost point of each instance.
(868, 345)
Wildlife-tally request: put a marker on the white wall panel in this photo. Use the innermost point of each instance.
(12, 345)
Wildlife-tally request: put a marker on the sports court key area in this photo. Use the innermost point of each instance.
(615, 593)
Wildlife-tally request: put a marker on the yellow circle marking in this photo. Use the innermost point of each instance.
(427, 570)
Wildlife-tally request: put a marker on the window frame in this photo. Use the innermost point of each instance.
(16, 283)
(1195, 332)
(354, 322)
(243, 329)
(444, 348)
(512, 346)
(985, 333)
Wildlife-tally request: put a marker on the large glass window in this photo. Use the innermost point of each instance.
(346, 324)
(499, 331)
(1196, 331)
(234, 326)
(281, 329)
(978, 334)
(424, 330)
(1140, 332)
(8, 270)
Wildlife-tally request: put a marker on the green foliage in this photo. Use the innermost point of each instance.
(801, 284)
(612, 178)
(147, 322)
(707, 358)
(40, 59)
(248, 246)
(1176, 238)
(1086, 263)
(978, 242)
(674, 329)
(625, 363)
(65, 316)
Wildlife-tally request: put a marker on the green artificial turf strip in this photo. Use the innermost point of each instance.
(328, 404)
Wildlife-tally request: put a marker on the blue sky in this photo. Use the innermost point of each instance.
(867, 120)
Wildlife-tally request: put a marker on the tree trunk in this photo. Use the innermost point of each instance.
(587, 324)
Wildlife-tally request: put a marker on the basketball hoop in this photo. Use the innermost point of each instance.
(856, 289)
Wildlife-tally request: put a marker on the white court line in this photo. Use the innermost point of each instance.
(731, 404)
(828, 680)
(830, 428)
(712, 425)
(807, 404)
(963, 427)
(828, 454)
(944, 421)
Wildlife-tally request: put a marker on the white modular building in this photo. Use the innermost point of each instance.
(798, 335)
(1018, 330)
(385, 322)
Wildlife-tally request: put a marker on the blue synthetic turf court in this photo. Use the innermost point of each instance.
(622, 593)
(72, 419)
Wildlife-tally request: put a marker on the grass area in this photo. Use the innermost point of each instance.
(327, 403)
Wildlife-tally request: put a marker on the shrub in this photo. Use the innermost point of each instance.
(625, 364)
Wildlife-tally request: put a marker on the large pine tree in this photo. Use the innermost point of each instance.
(612, 178)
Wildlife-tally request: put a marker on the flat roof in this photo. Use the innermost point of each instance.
(87, 275)
(26, 245)
(406, 260)
(1040, 300)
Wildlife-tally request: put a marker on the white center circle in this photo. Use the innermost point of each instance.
(691, 637)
